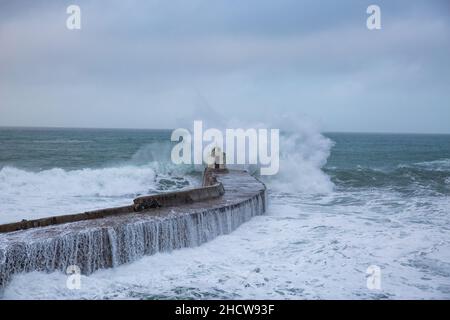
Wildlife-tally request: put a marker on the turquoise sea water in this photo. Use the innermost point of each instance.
(342, 202)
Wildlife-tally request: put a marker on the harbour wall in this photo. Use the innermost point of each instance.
(111, 237)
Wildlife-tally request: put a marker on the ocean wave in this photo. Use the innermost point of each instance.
(435, 165)
(26, 194)
(404, 178)
(61, 141)
(303, 153)
(112, 182)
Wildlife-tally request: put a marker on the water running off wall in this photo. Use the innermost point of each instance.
(103, 243)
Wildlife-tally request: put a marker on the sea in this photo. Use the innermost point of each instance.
(350, 215)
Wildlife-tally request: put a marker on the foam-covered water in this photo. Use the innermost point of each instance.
(346, 202)
(32, 195)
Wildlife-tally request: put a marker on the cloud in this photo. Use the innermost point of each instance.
(154, 58)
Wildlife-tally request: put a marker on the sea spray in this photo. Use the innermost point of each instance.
(302, 158)
(304, 150)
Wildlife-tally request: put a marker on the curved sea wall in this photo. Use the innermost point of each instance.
(159, 223)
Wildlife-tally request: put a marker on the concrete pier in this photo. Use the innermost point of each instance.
(110, 237)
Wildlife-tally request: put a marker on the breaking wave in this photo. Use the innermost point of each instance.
(430, 176)
(303, 154)
(30, 195)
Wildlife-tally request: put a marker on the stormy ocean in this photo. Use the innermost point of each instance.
(342, 202)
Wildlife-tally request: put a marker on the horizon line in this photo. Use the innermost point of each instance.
(169, 129)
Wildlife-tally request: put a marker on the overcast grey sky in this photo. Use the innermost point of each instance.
(147, 64)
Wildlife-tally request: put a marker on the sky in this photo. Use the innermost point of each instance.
(148, 64)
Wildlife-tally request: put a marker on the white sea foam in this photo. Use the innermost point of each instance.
(436, 165)
(305, 247)
(301, 164)
(29, 195)
(107, 182)
(304, 151)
